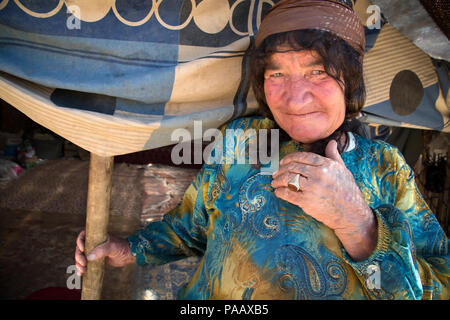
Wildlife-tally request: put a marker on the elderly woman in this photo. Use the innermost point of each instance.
(340, 219)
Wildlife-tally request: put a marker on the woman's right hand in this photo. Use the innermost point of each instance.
(116, 252)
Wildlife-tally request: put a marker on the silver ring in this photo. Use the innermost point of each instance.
(294, 183)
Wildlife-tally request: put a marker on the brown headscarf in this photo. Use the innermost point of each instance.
(328, 15)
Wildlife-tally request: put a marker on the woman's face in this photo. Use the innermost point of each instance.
(305, 101)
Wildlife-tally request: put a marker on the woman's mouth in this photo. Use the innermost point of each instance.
(305, 115)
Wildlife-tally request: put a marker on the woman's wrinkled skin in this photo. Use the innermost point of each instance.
(309, 105)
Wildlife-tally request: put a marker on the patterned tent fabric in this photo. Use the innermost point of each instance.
(129, 72)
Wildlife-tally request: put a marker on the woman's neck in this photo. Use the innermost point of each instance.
(319, 146)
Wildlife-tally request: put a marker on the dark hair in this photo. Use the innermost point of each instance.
(340, 60)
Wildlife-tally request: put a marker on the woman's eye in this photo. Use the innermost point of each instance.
(317, 72)
(276, 75)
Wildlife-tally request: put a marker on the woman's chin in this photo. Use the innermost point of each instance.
(305, 137)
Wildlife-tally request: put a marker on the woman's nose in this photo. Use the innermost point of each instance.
(299, 92)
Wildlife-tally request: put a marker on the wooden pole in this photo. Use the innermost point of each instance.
(97, 217)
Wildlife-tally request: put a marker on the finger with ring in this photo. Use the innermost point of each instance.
(294, 183)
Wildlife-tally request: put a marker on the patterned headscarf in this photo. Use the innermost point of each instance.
(329, 15)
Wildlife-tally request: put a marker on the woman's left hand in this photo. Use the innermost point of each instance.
(328, 193)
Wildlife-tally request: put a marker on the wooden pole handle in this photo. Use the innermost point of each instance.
(97, 217)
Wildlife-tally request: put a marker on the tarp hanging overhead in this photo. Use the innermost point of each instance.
(424, 22)
(118, 76)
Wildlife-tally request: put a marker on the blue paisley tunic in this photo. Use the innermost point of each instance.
(256, 246)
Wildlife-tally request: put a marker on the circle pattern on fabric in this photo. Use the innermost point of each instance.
(406, 92)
